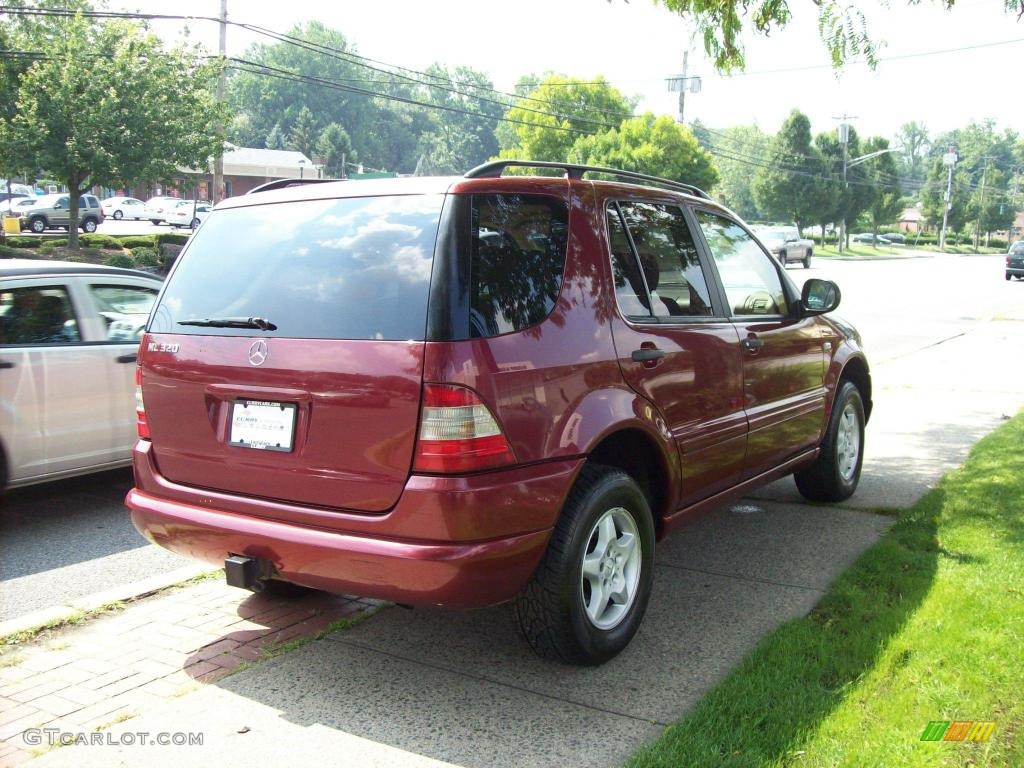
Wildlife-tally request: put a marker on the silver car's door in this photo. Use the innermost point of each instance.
(53, 383)
(120, 309)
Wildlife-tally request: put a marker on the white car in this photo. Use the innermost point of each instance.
(69, 337)
(124, 208)
(188, 213)
(16, 205)
(157, 208)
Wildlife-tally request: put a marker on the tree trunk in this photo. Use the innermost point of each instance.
(73, 194)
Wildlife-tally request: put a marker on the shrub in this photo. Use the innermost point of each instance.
(99, 241)
(132, 242)
(119, 260)
(23, 242)
(171, 238)
(56, 242)
(146, 257)
(6, 252)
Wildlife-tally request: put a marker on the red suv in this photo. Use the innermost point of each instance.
(466, 391)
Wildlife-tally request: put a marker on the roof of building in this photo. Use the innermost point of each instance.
(253, 156)
(911, 214)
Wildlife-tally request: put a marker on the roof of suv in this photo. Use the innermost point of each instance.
(38, 267)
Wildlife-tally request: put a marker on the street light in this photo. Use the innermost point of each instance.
(302, 164)
(949, 159)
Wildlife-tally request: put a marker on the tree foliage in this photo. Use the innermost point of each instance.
(793, 184)
(842, 26)
(647, 144)
(547, 121)
(737, 153)
(304, 133)
(333, 150)
(107, 104)
(887, 202)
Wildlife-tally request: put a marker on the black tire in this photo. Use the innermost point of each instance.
(89, 225)
(807, 259)
(1008, 275)
(831, 477)
(154, 222)
(782, 258)
(118, 215)
(195, 222)
(38, 225)
(550, 610)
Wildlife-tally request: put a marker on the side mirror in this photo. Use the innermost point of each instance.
(819, 297)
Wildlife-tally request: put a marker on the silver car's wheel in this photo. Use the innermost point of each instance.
(611, 569)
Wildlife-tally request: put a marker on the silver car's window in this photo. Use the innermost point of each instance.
(37, 315)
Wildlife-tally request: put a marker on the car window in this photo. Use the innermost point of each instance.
(665, 251)
(124, 309)
(37, 315)
(518, 256)
(752, 285)
(630, 291)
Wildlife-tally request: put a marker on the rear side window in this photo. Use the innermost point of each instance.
(356, 268)
(518, 249)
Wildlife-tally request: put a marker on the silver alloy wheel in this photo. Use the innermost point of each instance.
(611, 568)
(848, 442)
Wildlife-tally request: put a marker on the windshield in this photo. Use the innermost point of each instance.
(356, 268)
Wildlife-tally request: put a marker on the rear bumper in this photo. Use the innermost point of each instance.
(1015, 271)
(380, 556)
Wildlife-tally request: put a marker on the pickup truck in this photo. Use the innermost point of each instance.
(786, 245)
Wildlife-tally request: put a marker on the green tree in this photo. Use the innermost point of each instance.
(914, 145)
(303, 135)
(107, 104)
(737, 152)
(888, 198)
(842, 26)
(793, 184)
(553, 115)
(275, 139)
(647, 144)
(333, 150)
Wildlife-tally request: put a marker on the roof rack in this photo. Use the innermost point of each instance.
(495, 168)
(285, 183)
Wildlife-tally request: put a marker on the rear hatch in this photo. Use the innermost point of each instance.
(284, 359)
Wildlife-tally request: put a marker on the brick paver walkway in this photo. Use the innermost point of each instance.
(86, 677)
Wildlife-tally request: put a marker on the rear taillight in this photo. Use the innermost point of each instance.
(458, 433)
(140, 408)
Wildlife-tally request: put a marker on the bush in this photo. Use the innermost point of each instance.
(56, 242)
(99, 241)
(119, 260)
(6, 252)
(23, 242)
(138, 241)
(171, 238)
(146, 257)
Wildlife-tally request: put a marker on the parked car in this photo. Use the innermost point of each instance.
(188, 213)
(124, 208)
(870, 237)
(54, 212)
(455, 392)
(158, 207)
(786, 244)
(897, 238)
(69, 334)
(16, 205)
(1015, 261)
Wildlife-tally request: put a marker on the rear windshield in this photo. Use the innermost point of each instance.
(355, 268)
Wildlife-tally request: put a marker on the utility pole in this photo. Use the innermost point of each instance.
(682, 83)
(843, 131)
(981, 208)
(949, 159)
(217, 194)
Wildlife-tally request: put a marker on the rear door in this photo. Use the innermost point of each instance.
(783, 356)
(675, 344)
(316, 401)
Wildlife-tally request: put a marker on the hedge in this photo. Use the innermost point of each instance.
(23, 242)
(119, 260)
(138, 241)
(146, 257)
(96, 240)
(171, 238)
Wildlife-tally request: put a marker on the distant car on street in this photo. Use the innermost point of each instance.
(1015, 261)
(895, 237)
(157, 208)
(124, 208)
(871, 238)
(188, 213)
(786, 245)
(69, 337)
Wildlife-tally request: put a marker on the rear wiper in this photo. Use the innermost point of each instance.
(233, 322)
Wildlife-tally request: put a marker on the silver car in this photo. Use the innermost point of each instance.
(69, 336)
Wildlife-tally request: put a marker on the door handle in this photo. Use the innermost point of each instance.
(133, 357)
(752, 343)
(5, 364)
(647, 355)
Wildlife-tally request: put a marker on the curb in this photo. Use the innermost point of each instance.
(144, 588)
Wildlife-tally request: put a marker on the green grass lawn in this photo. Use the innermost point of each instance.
(859, 250)
(927, 625)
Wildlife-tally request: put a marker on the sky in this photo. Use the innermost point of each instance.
(636, 45)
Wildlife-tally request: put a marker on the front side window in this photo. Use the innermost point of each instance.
(752, 284)
(518, 257)
(664, 250)
(37, 315)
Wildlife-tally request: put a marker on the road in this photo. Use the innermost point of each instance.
(71, 539)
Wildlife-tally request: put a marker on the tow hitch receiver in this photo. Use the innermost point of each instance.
(242, 572)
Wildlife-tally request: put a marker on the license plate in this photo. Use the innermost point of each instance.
(262, 425)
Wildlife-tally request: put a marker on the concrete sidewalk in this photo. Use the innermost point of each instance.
(424, 688)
